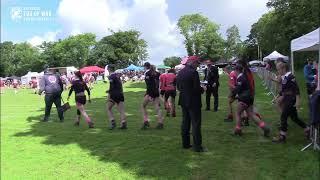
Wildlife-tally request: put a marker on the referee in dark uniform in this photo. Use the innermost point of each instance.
(52, 85)
(188, 83)
(212, 77)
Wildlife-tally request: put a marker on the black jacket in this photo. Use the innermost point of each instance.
(212, 75)
(188, 83)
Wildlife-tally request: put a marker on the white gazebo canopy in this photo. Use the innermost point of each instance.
(26, 78)
(274, 56)
(308, 42)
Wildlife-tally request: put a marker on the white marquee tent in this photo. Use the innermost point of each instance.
(308, 42)
(274, 56)
(27, 78)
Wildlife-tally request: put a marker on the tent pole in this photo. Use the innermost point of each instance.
(292, 65)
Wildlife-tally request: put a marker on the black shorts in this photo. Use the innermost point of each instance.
(153, 94)
(248, 102)
(81, 99)
(170, 93)
(116, 98)
(162, 92)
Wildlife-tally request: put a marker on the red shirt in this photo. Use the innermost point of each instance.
(170, 82)
(162, 81)
(232, 79)
(1, 83)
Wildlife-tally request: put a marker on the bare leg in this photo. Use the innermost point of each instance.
(83, 112)
(240, 109)
(158, 110)
(145, 102)
(122, 112)
(109, 110)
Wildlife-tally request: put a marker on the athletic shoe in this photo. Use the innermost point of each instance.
(207, 109)
(91, 124)
(159, 126)
(112, 125)
(266, 132)
(279, 139)
(246, 122)
(238, 132)
(123, 125)
(145, 125)
(77, 123)
(201, 149)
(307, 133)
(228, 120)
(45, 120)
(187, 147)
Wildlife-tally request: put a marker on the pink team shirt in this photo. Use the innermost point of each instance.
(162, 81)
(232, 79)
(170, 79)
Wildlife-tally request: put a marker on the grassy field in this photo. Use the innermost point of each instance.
(31, 149)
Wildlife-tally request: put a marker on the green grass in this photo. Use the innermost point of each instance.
(34, 150)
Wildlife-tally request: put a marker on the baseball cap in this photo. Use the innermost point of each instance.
(193, 59)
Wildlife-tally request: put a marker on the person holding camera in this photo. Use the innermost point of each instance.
(79, 86)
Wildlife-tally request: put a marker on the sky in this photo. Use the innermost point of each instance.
(35, 21)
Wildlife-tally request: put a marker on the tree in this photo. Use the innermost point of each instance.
(287, 20)
(6, 64)
(72, 51)
(172, 61)
(233, 43)
(201, 36)
(120, 48)
(18, 59)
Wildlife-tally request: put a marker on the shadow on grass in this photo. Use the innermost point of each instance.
(148, 153)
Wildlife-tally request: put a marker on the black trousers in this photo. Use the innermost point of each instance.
(311, 87)
(214, 92)
(191, 116)
(290, 111)
(49, 100)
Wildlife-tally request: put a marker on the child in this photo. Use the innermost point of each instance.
(115, 97)
(290, 103)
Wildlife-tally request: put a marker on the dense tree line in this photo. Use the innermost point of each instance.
(120, 48)
(286, 20)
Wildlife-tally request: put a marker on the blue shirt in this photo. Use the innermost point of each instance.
(308, 74)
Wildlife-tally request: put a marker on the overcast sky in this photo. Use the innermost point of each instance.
(155, 19)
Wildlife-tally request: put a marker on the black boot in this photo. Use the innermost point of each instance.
(159, 126)
(145, 125)
(279, 139)
(112, 125)
(123, 125)
(91, 125)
